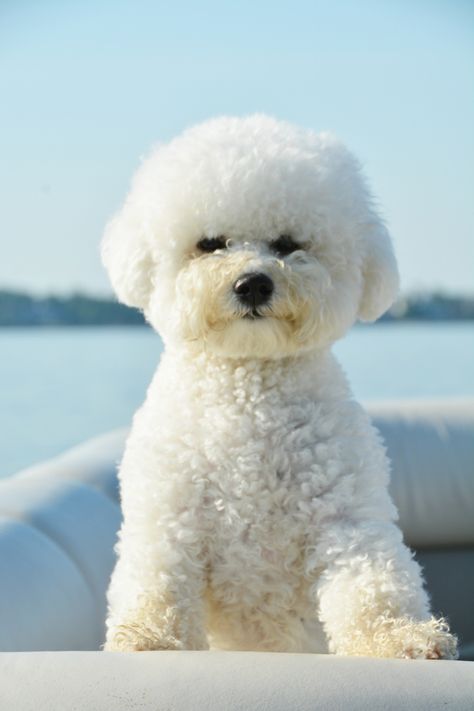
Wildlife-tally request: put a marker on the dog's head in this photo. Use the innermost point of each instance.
(250, 237)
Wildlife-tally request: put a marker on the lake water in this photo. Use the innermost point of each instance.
(60, 386)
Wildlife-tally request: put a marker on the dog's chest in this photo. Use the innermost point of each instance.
(262, 452)
(271, 471)
(271, 461)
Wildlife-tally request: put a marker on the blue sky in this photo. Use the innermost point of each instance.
(88, 87)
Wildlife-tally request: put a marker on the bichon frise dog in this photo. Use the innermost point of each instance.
(254, 488)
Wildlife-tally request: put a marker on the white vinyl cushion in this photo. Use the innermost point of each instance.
(230, 681)
(431, 445)
(56, 555)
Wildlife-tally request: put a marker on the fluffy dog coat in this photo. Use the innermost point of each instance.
(254, 488)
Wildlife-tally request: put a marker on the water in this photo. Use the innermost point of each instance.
(60, 386)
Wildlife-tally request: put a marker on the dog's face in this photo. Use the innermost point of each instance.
(251, 238)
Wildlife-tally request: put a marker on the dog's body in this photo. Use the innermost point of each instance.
(256, 511)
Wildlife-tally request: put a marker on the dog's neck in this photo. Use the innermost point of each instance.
(315, 373)
(206, 359)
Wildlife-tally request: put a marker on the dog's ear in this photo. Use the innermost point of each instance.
(379, 273)
(127, 258)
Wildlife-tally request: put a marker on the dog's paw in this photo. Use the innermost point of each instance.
(429, 640)
(406, 638)
(401, 638)
(135, 638)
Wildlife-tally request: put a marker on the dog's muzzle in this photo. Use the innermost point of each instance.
(253, 290)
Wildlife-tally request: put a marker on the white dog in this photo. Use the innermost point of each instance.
(254, 488)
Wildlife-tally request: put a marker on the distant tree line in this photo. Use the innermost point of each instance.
(20, 309)
(435, 306)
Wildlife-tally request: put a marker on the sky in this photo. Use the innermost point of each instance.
(87, 88)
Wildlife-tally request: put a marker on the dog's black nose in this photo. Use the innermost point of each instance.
(254, 289)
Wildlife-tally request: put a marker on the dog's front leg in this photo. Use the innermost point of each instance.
(156, 595)
(371, 597)
(160, 612)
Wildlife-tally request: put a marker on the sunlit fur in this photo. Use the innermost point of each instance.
(254, 488)
(251, 180)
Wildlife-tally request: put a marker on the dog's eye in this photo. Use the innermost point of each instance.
(210, 244)
(284, 245)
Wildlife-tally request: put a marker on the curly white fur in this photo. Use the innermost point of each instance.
(254, 488)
